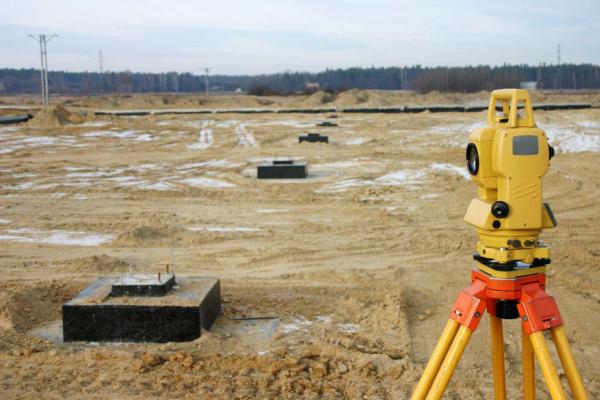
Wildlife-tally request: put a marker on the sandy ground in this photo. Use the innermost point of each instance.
(356, 266)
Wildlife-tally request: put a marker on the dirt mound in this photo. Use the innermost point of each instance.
(142, 233)
(53, 116)
(23, 307)
(147, 234)
(97, 263)
(364, 98)
(318, 99)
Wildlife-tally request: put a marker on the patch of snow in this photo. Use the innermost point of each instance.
(271, 210)
(224, 163)
(356, 141)
(39, 141)
(56, 237)
(20, 186)
(226, 124)
(76, 168)
(95, 123)
(145, 137)
(129, 134)
(24, 175)
(222, 229)
(336, 164)
(127, 180)
(86, 174)
(429, 196)
(402, 177)
(462, 171)
(161, 186)
(343, 185)
(144, 167)
(348, 328)
(296, 325)
(570, 141)
(207, 182)
(4, 221)
(589, 124)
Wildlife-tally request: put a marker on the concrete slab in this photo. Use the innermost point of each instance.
(282, 169)
(313, 138)
(191, 305)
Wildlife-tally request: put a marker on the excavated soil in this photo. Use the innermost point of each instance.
(336, 286)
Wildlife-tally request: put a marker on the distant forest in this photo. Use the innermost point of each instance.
(421, 79)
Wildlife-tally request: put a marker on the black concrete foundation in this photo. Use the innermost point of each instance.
(313, 138)
(180, 315)
(282, 169)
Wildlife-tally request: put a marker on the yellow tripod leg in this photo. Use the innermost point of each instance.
(498, 357)
(528, 368)
(568, 363)
(550, 375)
(447, 368)
(439, 352)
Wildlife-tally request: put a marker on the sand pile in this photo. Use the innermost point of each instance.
(142, 234)
(23, 307)
(54, 116)
(363, 98)
(317, 99)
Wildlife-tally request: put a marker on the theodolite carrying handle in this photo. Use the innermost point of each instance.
(511, 100)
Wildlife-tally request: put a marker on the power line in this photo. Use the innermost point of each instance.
(558, 64)
(206, 71)
(43, 39)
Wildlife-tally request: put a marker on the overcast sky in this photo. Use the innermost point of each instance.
(262, 36)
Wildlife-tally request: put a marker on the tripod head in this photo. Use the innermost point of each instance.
(507, 160)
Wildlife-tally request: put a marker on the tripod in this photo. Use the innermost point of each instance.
(521, 297)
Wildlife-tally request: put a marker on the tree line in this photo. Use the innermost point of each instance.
(422, 79)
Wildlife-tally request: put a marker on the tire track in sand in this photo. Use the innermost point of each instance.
(244, 138)
(205, 140)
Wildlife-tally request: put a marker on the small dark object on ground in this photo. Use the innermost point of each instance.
(14, 119)
(327, 124)
(282, 169)
(313, 138)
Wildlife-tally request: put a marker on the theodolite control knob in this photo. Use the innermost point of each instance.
(500, 209)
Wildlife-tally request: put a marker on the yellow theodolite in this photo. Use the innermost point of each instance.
(507, 160)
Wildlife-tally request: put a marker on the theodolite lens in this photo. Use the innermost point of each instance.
(472, 159)
(500, 209)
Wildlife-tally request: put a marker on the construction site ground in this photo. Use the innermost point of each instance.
(334, 286)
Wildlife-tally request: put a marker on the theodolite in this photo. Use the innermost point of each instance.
(507, 160)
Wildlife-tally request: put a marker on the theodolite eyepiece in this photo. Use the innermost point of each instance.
(507, 160)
